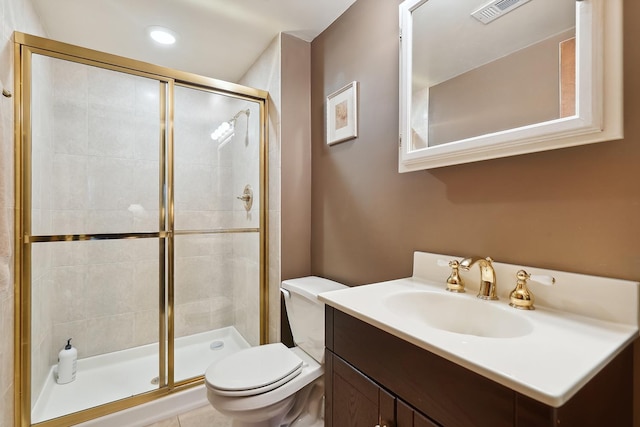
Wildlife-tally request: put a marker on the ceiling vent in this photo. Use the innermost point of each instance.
(496, 9)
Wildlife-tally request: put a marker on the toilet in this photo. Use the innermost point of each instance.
(272, 385)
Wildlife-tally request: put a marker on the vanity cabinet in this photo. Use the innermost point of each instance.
(373, 377)
(355, 400)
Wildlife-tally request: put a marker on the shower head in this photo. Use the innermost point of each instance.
(223, 134)
(247, 112)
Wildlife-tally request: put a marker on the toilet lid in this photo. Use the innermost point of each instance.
(254, 370)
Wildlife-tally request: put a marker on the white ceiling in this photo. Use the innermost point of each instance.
(216, 38)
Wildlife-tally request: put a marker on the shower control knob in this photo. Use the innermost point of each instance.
(247, 197)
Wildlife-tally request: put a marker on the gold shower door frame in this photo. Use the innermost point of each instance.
(24, 46)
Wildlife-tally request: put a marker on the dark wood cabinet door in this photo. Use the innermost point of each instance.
(386, 408)
(354, 397)
(406, 416)
(421, 421)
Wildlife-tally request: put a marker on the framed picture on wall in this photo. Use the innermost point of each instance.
(342, 114)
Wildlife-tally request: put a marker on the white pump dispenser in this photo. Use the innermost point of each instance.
(67, 363)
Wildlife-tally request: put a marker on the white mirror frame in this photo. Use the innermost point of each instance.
(599, 87)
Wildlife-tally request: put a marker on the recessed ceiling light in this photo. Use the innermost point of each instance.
(162, 35)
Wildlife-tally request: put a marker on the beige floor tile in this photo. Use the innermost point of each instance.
(171, 422)
(205, 416)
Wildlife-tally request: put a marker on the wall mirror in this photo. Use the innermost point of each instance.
(483, 80)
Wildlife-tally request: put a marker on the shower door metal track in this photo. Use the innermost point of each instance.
(24, 46)
(220, 231)
(86, 237)
(120, 236)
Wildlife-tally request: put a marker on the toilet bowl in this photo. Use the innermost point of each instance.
(269, 403)
(272, 385)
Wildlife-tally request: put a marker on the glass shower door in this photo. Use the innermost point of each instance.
(216, 260)
(95, 236)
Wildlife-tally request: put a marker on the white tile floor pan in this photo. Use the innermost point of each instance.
(113, 376)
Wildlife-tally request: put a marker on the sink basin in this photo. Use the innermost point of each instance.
(458, 314)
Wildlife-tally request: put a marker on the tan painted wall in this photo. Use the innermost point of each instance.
(296, 158)
(576, 209)
(295, 173)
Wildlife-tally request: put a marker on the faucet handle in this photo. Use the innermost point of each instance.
(521, 297)
(454, 281)
(542, 279)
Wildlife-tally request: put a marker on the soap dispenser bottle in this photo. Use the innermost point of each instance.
(67, 363)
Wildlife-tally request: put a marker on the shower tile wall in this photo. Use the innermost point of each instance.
(246, 294)
(106, 143)
(217, 282)
(246, 247)
(41, 329)
(204, 283)
(95, 170)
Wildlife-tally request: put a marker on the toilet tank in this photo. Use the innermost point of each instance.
(306, 312)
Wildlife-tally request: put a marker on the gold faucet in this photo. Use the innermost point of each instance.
(454, 281)
(487, 276)
(521, 297)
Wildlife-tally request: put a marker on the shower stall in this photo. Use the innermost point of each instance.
(140, 228)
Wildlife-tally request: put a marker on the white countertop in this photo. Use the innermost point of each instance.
(560, 354)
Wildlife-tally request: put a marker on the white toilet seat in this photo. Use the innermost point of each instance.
(311, 371)
(254, 370)
(258, 390)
